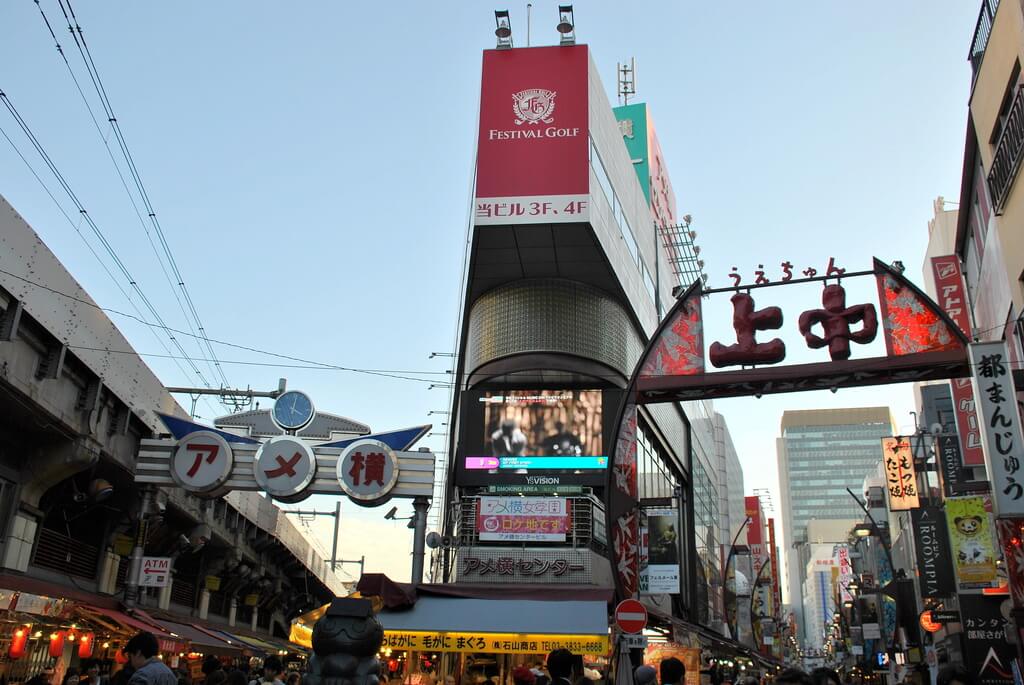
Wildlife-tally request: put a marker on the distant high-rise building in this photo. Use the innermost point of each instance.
(821, 453)
(730, 483)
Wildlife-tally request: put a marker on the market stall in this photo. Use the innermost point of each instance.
(466, 633)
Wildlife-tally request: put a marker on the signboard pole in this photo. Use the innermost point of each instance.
(420, 506)
(131, 589)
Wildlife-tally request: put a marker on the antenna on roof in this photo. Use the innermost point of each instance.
(626, 78)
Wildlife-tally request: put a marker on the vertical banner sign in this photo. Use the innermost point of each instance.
(970, 537)
(988, 654)
(522, 519)
(532, 156)
(931, 545)
(661, 574)
(950, 293)
(900, 476)
(996, 401)
(951, 466)
(841, 554)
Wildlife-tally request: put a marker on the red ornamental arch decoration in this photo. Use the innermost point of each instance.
(922, 343)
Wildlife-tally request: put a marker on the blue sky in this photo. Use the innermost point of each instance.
(311, 166)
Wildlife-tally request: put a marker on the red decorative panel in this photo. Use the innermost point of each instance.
(679, 347)
(912, 323)
(625, 538)
(624, 466)
(1011, 539)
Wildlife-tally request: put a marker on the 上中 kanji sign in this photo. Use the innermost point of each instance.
(995, 399)
(921, 341)
(202, 462)
(367, 471)
(900, 475)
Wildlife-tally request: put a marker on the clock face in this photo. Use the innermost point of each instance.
(293, 410)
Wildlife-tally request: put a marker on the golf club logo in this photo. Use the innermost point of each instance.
(533, 106)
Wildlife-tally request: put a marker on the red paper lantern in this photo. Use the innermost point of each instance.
(18, 643)
(85, 645)
(57, 644)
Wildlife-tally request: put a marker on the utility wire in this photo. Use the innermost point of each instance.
(312, 364)
(316, 364)
(83, 48)
(92, 250)
(110, 153)
(99, 234)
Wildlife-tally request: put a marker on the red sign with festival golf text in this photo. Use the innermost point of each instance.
(951, 295)
(532, 155)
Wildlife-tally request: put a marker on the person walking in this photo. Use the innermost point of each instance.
(560, 666)
(645, 675)
(522, 675)
(272, 670)
(673, 672)
(142, 652)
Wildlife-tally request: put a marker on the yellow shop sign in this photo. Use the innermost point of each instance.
(494, 643)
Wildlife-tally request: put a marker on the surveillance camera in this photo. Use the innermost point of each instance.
(391, 513)
(935, 429)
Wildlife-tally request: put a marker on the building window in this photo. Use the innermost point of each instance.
(1007, 105)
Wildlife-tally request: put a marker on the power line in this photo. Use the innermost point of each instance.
(117, 168)
(111, 252)
(92, 250)
(317, 364)
(90, 65)
(313, 364)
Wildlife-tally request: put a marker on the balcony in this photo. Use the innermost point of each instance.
(982, 30)
(587, 528)
(1009, 149)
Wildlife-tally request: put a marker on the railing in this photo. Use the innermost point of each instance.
(1009, 149)
(61, 553)
(982, 31)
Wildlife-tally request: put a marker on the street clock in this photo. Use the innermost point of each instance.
(293, 410)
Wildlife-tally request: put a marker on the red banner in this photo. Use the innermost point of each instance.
(532, 155)
(951, 295)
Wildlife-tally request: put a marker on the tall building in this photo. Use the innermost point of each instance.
(572, 258)
(988, 238)
(730, 484)
(821, 452)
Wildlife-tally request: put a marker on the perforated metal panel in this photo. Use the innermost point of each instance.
(551, 315)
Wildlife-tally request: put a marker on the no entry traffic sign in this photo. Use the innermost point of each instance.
(630, 616)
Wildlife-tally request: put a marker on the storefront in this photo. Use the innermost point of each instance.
(438, 631)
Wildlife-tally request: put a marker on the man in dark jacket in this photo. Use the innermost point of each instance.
(142, 652)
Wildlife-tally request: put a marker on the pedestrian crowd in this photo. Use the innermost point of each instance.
(562, 667)
(145, 667)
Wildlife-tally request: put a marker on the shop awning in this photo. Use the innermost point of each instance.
(500, 616)
(254, 643)
(203, 641)
(171, 644)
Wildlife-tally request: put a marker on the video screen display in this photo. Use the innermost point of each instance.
(543, 423)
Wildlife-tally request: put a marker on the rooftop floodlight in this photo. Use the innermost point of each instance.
(566, 25)
(503, 29)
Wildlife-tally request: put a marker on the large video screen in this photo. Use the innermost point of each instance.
(543, 423)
